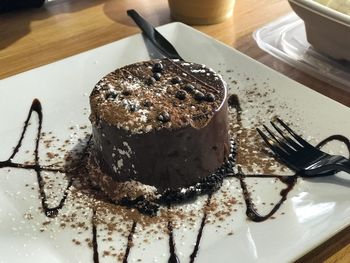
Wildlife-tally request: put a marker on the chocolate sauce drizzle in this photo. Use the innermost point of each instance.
(128, 247)
(225, 171)
(94, 237)
(200, 231)
(49, 211)
(212, 89)
(251, 212)
(336, 137)
(173, 257)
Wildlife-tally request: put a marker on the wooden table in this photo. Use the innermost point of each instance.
(31, 38)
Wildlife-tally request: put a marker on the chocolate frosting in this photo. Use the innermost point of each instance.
(177, 141)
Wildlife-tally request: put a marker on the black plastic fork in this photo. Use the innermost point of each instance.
(300, 155)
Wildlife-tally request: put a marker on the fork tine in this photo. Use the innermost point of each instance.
(295, 136)
(276, 149)
(280, 143)
(292, 143)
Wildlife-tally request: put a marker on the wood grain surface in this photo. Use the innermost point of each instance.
(35, 37)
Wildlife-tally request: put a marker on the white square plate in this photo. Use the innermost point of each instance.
(314, 211)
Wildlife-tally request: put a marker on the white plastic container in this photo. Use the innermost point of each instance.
(285, 39)
(327, 30)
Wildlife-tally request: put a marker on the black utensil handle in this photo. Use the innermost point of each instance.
(334, 163)
(163, 45)
(343, 165)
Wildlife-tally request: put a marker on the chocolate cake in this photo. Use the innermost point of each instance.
(157, 125)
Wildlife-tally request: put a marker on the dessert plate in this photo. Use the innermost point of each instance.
(315, 209)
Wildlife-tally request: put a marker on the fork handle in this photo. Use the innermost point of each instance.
(333, 163)
(343, 164)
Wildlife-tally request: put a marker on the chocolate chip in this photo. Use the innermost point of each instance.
(210, 97)
(157, 76)
(126, 92)
(132, 107)
(198, 95)
(164, 117)
(176, 80)
(188, 87)
(157, 67)
(150, 81)
(147, 103)
(111, 95)
(180, 94)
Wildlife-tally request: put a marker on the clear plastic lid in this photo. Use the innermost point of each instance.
(285, 39)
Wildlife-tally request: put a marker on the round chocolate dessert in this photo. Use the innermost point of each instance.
(157, 125)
